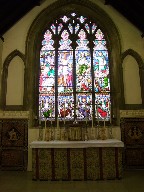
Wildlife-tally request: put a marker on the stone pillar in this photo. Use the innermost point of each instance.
(1, 48)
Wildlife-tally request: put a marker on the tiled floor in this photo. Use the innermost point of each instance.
(14, 181)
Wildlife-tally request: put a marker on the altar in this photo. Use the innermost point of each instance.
(77, 160)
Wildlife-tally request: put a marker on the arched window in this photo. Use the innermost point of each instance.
(72, 35)
(74, 81)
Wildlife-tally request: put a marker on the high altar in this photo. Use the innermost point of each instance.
(77, 153)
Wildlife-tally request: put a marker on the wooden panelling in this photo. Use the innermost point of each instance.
(133, 138)
(14, 144)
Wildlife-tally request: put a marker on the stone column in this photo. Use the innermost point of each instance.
(1, 48)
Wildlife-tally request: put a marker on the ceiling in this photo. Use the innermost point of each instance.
(11, 11)
(133, 10)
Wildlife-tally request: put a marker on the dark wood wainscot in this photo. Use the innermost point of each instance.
(13, 144)
(133, 137)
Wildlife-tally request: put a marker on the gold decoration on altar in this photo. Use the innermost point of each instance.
(74, 132)
(102, 133)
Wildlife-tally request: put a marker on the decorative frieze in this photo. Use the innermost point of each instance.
(75, 133)
(14, 114)
(131, 113)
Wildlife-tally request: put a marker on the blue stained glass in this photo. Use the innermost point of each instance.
(83, 71)
(73, 14)
(99, 35)
(47, 75)
(101, 71)
(101, 59)
(60, 26)
(87, 27)
(100, 45)
(65, 71)
(81, 19)
(65, 18)
(47, 104)
(53, 27)
(66, 107)
(70, 28)
(48, 42)
(70, 70)
(84, 106)
(102, 104)
(82, 42)
(93, 27)
(77, 27)
(65, 42)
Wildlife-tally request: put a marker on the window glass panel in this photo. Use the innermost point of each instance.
(84, 106)
(65, 42)
(101, 71)
(60, 26)
(74, 71)
(102, 106)
(83, 71)
(65, 71)
(66, 107)
(47, 106)
(47, 73)
(48, 42)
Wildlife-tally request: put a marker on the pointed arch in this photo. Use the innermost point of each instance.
(6, 64)
(39, 26)
(140, 63)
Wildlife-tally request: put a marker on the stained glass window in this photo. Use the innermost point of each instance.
(74, 81)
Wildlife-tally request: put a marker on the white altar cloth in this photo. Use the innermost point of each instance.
(77, 144)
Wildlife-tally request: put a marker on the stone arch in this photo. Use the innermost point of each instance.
(6, 63)
(39, 26)
(140, 63)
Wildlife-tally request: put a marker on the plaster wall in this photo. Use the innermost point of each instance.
(15, 38)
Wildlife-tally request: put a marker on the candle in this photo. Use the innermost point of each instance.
(40, 115)
(51, 118)
(97, 115)
(104, 122)
(76, 98)
(92, 121)
(45, 130)
(45, 123)
(51, 111)
(64, 112)
(86, 113)
(92, 118)
(110, 113)
(57, 123)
